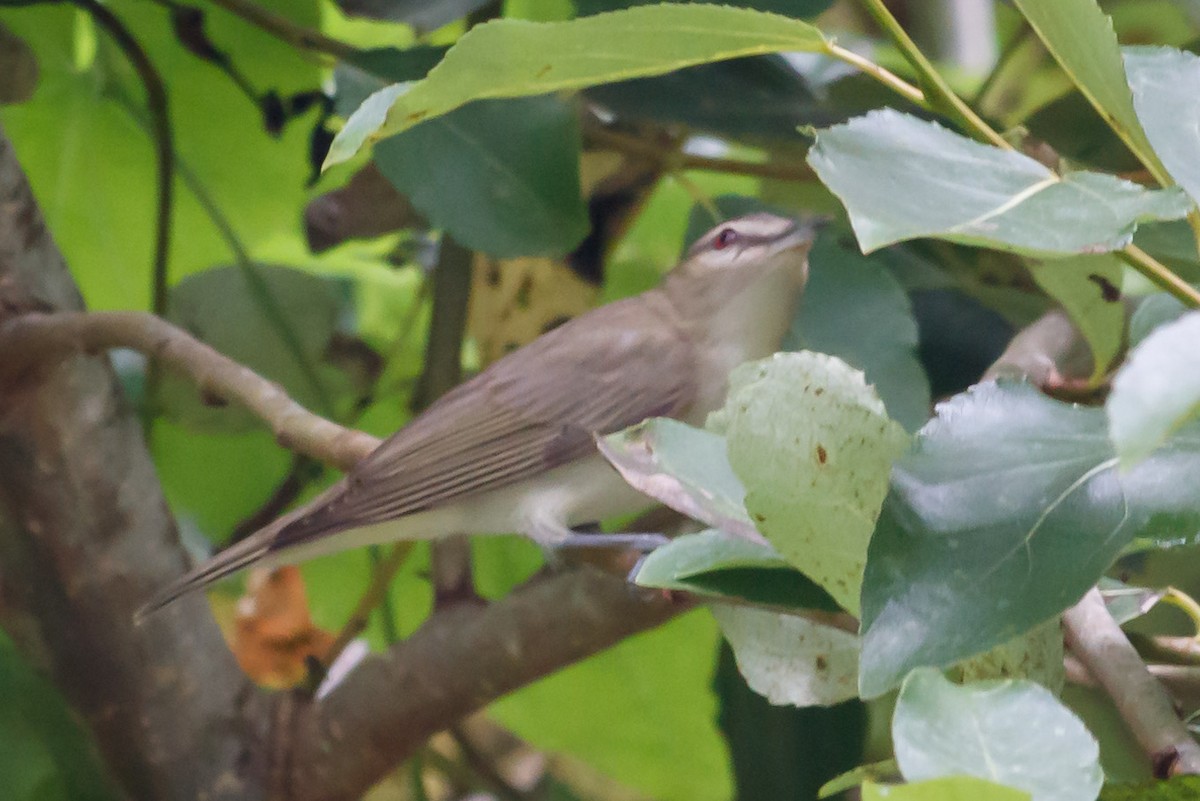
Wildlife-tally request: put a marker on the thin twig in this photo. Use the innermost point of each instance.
(1098, 642)
(673, 160)
(381, 579)
(164, 148)
(1011, 48)
(934, 82)
(287, 31)
(886, 77)
(33, 341)
(1161, 275)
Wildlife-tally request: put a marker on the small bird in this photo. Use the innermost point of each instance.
(513, 449)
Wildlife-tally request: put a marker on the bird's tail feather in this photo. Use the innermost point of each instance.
(226, 563)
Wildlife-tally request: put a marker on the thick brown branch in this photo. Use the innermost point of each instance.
(463, 658)
(1098, 642)
(30, 341)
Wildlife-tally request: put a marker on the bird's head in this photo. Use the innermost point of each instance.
(741, 252)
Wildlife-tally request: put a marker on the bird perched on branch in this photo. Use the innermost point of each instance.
(513, 449)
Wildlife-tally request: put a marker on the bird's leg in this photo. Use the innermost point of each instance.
(638, 541)
(555, 535)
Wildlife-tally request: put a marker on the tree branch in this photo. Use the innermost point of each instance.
(464, 657)
(1098, 642)
(32, 341)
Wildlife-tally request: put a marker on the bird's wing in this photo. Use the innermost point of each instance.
(536, 408)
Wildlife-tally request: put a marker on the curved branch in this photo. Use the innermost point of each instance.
(464, 657)
(31, 341)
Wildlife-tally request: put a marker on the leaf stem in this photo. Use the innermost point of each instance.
(935, 84)
(1161, 275)
(884, 76)
(287, 31)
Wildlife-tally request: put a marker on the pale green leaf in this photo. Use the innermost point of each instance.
(516, 58)
(1036, 655)
(683, 467)
(1088, 288)
(1157, 391)
(1165, 83)
(950, 788)
(790, 659)
(813, 445)
(1081, 38)
(1012, 732)
(957, 189)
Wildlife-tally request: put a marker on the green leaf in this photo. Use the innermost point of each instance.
(1153, 312)
(683, 467)
(757, 99)
(813, 445)
(1164, 83)
(963, 191)
(516, 58)
(44, 753)
(1014, 733)
(500, 176)
(277, 321)
(950, 788)
(642, 712)
(872, 772)
(1177, 788)
(1008, 509)
(1157, 391)
(790, 659)
(720, 564)
(1126, 602)
(855, 309)
(794, 8)
(1082, 40)
(1088, 288)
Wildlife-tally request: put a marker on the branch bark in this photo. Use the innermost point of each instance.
(1098, 642)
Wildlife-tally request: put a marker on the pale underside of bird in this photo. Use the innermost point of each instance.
(513, 449)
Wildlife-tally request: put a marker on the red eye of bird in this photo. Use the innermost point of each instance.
(725, 238)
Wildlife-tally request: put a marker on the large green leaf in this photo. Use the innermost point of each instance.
(813, 445)
(1014, 733)
(957, 189)
(1088, 288)
(501, 176)
(642, 712)
(1082, 39)
(1009, 508)
(1157, 391)
(1165, 82)
(515, 58)
(794, 8)
(759, 99)
(1177, 788)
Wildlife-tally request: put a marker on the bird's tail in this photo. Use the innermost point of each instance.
(226, 563)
